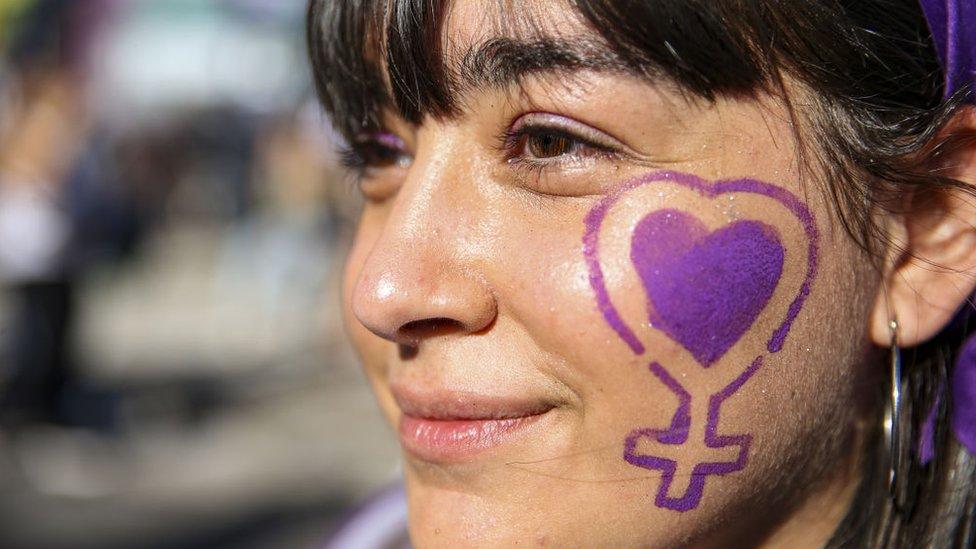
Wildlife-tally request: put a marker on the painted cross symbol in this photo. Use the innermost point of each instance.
(666, 450)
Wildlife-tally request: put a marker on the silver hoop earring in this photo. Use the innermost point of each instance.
(893, 420)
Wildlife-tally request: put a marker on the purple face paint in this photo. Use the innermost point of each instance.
(704, 290)
(677, 434)
(594, 221)
(963, 416)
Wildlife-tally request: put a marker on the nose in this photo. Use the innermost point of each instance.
(422, 277)
(409, 304)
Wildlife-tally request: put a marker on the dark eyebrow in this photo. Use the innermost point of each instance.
(501, 62)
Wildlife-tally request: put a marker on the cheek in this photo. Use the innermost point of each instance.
(685, 320)
(543, 285)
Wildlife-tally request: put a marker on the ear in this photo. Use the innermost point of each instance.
(933, 271)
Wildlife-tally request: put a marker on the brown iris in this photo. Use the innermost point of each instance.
(548, 145)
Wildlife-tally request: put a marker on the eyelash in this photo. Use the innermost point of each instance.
(350, 158)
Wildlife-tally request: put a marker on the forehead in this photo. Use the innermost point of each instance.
(475, 49)
(468, 22)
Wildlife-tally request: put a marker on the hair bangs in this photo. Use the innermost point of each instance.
(357, 75)
(370, 55)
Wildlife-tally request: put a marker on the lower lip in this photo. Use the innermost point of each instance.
(458, 439)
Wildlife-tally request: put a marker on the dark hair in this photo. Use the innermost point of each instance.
(874, 105)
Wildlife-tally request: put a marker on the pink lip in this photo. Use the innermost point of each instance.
(445, 426)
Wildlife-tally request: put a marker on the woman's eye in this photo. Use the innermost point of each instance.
(548, 140)
(380, 156)
(555, 155)
(548, 145)
(376, 160)
(382, 150)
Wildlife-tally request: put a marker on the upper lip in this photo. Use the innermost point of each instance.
(447, 405)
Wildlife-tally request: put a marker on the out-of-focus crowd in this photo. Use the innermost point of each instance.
(173, 371)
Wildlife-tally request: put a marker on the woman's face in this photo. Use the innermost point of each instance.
(601, 313)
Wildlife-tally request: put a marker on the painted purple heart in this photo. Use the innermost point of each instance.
(594, 220)
(705, 289)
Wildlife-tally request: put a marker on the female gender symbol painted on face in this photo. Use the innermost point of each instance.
(704, 290)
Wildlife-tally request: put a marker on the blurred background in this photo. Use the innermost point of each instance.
(173, 371)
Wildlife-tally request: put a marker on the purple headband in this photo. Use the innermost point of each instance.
(952, 23)
(961, 388)
(962, 415)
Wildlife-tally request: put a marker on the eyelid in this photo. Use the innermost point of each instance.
(382, 137)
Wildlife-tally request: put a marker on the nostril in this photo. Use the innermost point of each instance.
(407, 351)
(418, 330)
